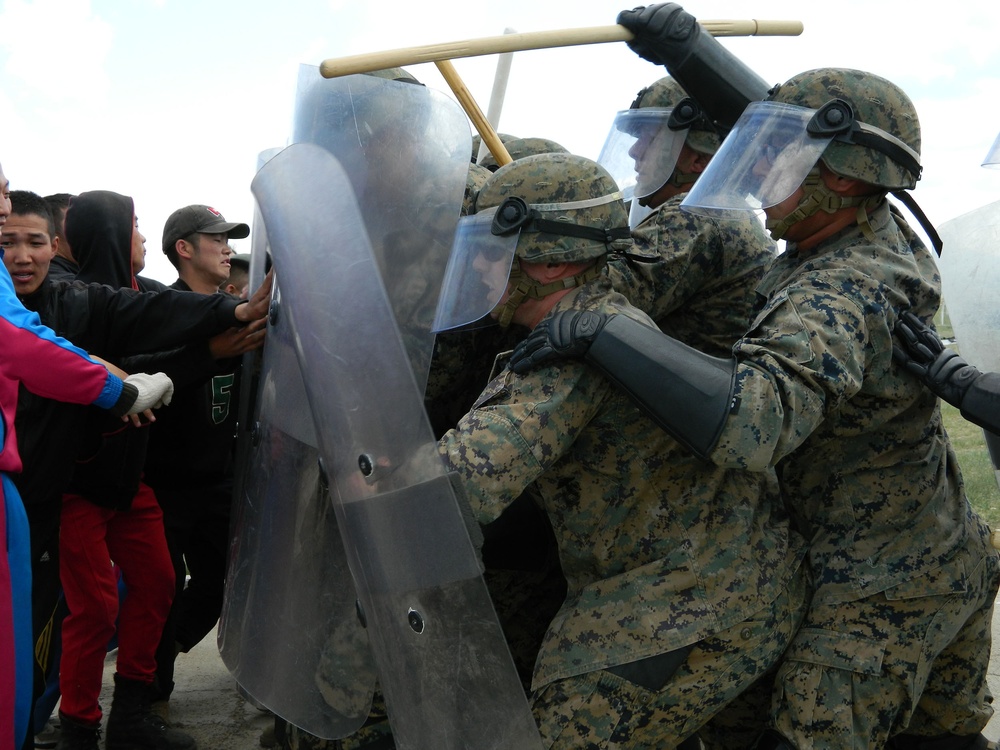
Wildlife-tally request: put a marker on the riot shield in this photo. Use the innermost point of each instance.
(970, 277)
(289, 628)
(443, 664)
(403, 147)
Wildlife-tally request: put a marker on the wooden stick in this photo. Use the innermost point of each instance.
(465, 98)
(492, 45)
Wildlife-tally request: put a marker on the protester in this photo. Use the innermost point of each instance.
(63, 265)
(53, 368)
(198, 432)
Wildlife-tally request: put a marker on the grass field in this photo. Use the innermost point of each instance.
(974, 458)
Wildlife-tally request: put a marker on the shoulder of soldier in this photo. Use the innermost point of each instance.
(600, 296)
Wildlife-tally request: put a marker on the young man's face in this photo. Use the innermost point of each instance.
(138, 247)
(28, 250)
(210, 255)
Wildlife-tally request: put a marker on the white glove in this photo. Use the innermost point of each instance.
(154, 391)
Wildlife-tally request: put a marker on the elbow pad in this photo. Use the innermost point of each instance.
(686, 392)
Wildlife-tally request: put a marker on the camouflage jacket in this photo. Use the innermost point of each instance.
(658, 548)
(865, 466)
(699, 285)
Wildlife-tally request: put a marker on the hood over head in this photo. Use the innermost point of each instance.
(99, 226)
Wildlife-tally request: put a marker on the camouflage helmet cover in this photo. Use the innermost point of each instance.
(518, 148)
(563, 188)
(876, 102)
(666, 93)
(478, 139)
(474, 181)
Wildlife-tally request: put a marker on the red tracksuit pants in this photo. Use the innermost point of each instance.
(90, 538)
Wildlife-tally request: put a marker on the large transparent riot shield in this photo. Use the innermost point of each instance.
(970, 277)
(402, 148)
(442, 661)
(289, 629)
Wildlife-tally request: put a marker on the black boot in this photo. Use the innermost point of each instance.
(75, 735)
(132, 725)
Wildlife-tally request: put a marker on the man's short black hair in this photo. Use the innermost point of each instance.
(26, 203)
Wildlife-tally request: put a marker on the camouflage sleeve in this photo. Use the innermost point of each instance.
(675, 244)
(519, 427)
(804, 355)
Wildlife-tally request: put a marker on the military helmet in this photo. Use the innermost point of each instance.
(566, 207)
(478, 139)
(883, 147)
(666, 93)
(474, 181)
(518, 148)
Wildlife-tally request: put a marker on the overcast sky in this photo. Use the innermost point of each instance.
(170, 101)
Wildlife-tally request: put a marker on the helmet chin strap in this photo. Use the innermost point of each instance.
(677, 179)
(818, 197)
(524, 287)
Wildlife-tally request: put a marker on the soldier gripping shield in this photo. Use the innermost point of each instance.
(667, 616)
(354, 313)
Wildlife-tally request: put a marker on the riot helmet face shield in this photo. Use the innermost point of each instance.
(993, 156)
(762, 162)
(478, 270)
(641, 150)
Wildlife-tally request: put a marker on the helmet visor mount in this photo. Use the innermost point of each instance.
(641, 150)
(763, 161)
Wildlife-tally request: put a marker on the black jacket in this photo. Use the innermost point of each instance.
(110, 323)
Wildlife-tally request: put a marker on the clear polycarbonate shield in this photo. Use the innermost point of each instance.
(477, 272)
(443, 664)
(970, 273)
(970, 277)
(764, 159)
(405, 149)
(637, 213)
(641, 150)
(993, 155)
(289, 631)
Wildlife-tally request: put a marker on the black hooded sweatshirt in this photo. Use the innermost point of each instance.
(110, 323)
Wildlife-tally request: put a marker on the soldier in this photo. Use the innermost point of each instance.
(684, 580)
(693, 275)
(896, 643)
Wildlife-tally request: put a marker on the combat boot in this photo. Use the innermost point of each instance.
(75, 735)
(132, 724)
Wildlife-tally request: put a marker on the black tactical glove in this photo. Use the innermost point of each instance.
(562, 335)
(656, 27)
(920, 351)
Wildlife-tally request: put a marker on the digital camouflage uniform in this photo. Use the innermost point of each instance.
(661, 552)
(903, 570)
(895, 646)
(700, 288)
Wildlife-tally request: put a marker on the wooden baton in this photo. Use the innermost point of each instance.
(492, 45)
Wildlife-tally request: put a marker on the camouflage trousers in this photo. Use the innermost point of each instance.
(374, 735)
(604, 710)
(899, 663)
